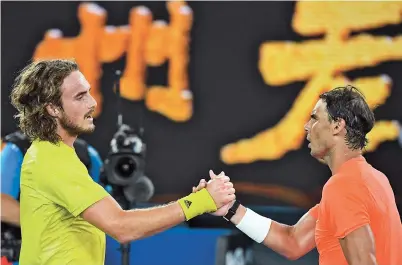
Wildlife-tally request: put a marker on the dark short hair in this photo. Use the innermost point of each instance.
(38, 85)
(349, 104)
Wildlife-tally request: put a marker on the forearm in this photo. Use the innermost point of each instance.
(10, 210)
(125, 226)
(280, 237)
(141, 223)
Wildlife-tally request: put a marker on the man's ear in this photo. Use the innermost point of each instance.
(338, 126)
(52, 110)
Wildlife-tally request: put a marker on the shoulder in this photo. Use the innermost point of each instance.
(43, 150)
(348, 177)
(343, 189)
(47, 157)
(338, 184)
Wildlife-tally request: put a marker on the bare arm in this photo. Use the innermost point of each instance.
(359, 247)
(10, 210)
(126, 226)
(289, 241)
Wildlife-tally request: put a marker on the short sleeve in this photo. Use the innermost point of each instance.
(314, 211)
(74, 190)
(344, 205)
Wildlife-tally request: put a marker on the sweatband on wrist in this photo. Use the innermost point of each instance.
(254, 225)
(197, 203)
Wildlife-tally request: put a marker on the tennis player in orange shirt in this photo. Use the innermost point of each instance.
(356, 221)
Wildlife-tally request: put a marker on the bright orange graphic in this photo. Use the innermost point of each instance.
(144, 42)
(321, 62)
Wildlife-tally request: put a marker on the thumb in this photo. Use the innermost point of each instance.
(212, 174)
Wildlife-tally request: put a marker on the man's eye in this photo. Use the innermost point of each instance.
(81, 96)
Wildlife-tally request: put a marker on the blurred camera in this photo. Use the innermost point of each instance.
(124, 167)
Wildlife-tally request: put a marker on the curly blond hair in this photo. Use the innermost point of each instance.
(38, 85)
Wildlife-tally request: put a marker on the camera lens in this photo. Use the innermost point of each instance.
(125, 167)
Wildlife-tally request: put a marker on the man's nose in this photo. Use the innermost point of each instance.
(306, 128)
(93, 102)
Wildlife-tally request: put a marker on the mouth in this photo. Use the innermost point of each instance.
(308, 139)
(89, 117)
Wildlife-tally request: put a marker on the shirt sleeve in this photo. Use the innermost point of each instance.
(314, 211)
(74, 189)
(11, 160)
(345, 207)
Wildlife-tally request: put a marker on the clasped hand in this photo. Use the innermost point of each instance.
(221, 190)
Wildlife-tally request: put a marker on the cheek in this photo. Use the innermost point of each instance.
(75, 113)
(314, 130)
(318, 134)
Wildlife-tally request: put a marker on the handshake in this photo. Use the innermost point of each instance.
(215, 196)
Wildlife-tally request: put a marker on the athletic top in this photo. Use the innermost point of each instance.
(55, 189)
(11, 160)
(356, 195)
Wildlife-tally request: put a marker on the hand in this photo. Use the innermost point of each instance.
(221, 190)
(222, 211)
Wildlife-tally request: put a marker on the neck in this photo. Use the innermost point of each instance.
(66, 137)
(339, 155)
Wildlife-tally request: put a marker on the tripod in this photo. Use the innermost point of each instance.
(125, 205)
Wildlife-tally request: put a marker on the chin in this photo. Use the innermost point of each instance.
(316, 155)
(91, 129)
(87, 129)
(319, 156)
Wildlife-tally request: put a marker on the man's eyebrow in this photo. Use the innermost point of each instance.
(82, 93)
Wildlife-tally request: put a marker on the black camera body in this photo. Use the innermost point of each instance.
(124, 168)
(125, 163)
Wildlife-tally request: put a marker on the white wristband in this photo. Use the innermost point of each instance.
(254, 225)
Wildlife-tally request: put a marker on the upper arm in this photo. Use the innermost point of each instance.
(292, 241)
(105, 215)
(96, 163)
(304, 232)
(11, 160)
(358, 246)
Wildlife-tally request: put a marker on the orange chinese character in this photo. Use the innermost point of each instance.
(146, 43)
(321, 62)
